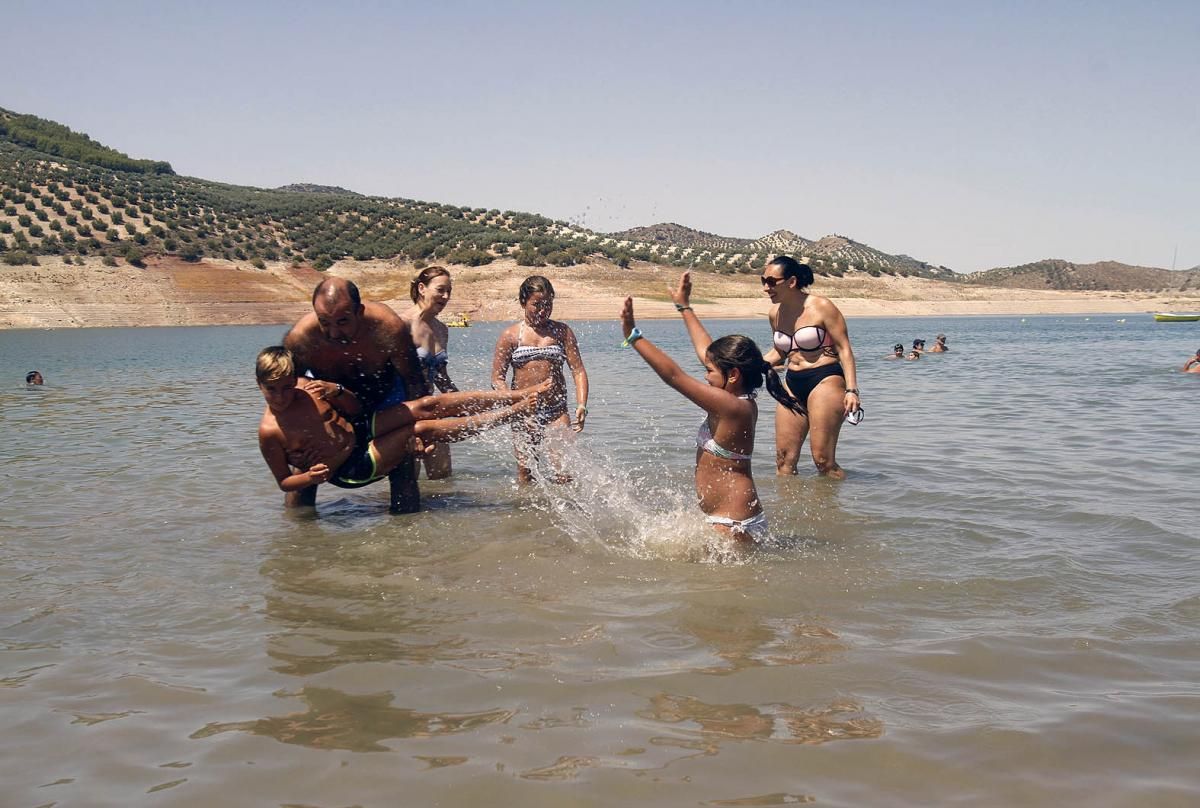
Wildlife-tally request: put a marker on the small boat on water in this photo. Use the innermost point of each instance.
(462, 321)
(1175, 317)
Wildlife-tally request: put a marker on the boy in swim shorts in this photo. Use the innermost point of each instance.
(308, 436)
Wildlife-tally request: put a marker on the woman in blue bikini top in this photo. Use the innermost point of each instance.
(430, 292)
(809, 338)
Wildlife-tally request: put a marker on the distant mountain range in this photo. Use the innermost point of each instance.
(310, 188)
(62, 193)
(1053, 273)
(828, 252)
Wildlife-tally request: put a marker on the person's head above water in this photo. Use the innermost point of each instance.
(274, 363)
(424, 286)
(942, 338)
(736, 358)
(784, 275)
(33, 377)
(918, 344)
(532, 285)
(536, 297)
(898, 348)
(339, 309)
(275, 370)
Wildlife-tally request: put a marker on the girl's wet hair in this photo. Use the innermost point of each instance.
(426, 277)
(737, 351)
(532, 285)
(791, 268)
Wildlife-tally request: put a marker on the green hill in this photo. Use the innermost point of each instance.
(62, 193)
(57, 140)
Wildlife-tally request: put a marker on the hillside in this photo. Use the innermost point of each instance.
(57, 140)
(1099, 276)
(64, 194)
(829, 255)
(312, 188)
(169, 291)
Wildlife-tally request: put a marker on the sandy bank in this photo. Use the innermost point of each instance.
(171, 292)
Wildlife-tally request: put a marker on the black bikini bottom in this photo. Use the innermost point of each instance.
(803, 382)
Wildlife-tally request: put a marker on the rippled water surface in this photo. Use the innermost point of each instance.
(999, 606)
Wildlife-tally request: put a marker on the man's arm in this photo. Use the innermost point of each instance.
(341, 398)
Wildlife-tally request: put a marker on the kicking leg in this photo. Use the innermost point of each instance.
(470, 402)
(450, 430)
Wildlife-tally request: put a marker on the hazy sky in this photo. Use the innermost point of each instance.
(971, 135)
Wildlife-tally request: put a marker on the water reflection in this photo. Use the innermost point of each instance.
(338, 603)
(744, 640)
(706, 726)
(337, 720)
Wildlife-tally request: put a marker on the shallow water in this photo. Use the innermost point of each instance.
(999, 606)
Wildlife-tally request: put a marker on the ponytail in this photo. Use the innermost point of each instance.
(737, 351)
(780, 393)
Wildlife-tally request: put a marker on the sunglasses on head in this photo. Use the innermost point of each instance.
(770, 282)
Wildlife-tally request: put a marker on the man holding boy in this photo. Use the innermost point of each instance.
(366, 348)
(307, 439)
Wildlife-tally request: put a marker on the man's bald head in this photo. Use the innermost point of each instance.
(339, 309)
(334, 289)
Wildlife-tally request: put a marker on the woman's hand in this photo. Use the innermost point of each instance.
(850, 402)
(581, 412)
(627, 323)
(682, 293)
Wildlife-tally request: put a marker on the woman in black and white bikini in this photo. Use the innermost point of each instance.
(536, 349)
(809, 337)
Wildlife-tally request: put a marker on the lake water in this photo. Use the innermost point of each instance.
(999, 606)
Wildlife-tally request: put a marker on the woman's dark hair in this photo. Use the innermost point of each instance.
(792, 268)
(532, 285)
(33, 374)
(737, 351)
(427, 275)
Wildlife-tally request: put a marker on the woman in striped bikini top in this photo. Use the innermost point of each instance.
(536, 349)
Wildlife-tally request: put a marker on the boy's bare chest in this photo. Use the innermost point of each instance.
(321, 428)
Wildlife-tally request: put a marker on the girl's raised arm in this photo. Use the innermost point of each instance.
(681, 296)
(711, 399)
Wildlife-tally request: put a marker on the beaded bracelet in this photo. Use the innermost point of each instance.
(634, 336)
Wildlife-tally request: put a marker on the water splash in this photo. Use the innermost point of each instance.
(644, 510)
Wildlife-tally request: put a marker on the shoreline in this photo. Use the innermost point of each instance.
(170, 292)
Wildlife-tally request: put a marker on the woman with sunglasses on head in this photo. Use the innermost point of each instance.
(809, 338)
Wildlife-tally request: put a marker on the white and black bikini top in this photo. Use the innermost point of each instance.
(529, 353)
(705, 440)
(808, 338)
